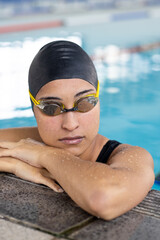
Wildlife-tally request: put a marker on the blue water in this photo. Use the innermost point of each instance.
(130, 102)
(132, 115)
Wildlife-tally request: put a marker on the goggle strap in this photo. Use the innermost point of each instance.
(33, 99)
(94, 94)
(97, 93)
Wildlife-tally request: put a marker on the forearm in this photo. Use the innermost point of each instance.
(79, 178)
(98, 188)
(95, 187)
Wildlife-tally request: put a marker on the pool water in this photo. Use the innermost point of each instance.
(129, 96)
(130, 102)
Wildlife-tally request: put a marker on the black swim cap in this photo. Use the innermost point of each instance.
(60, 60)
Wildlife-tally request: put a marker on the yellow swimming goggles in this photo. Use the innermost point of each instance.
(51, 107)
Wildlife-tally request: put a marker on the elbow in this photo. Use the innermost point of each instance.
(113, 202)
(152, 178)
(149, 178)
(101, 206)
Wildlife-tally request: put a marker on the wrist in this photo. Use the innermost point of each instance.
(46, 157)
(50, 158)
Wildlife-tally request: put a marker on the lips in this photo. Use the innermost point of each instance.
(71, 140)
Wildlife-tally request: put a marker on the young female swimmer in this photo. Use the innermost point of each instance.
(65, 151)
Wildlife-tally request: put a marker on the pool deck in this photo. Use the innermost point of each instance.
(31, 211)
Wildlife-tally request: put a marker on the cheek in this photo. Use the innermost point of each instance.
(47, 126)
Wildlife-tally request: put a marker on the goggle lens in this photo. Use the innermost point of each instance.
(52, 108)
(86, 104)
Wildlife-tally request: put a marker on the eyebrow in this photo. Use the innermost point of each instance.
(77, 95)
(82, 92)
(48, 98)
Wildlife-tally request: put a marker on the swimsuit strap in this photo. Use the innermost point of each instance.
(107, 150)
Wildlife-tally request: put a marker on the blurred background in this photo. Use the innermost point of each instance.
(123, 39)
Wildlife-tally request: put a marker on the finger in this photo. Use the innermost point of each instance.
(46, 174)
(5, 153)
(7, 164)
(33, 174)
(22, 152)
(30, 140)
(8, 144)
(15, 154)
(51, 184)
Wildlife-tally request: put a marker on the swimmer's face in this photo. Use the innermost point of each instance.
(73, 131)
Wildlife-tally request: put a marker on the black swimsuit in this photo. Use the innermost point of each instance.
(107, 150)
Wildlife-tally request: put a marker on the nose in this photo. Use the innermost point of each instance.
(70, 121)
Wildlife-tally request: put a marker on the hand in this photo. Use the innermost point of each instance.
(28, 172)
(27, 150)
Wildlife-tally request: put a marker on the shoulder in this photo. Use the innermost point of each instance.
(136, 161)
(132, 156)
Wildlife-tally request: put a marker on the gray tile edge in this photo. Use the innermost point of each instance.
(151, 214)
(67, 232)
(28, 225)
(141, 208)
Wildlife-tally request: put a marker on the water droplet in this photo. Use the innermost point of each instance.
(130, 160)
